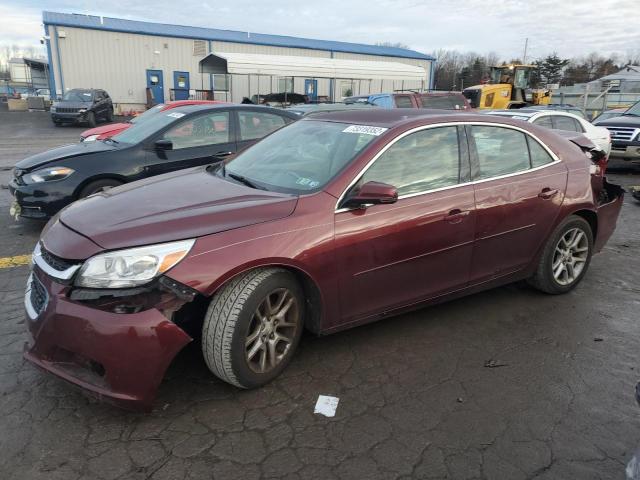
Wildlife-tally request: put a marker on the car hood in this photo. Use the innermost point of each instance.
(621, 121)
(178, 205)
(105, 129)
(61, 153)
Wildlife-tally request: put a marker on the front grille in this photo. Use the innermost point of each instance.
(619, 149)
(55, 262)
(67, 110)
(38, 295)
(624, 134)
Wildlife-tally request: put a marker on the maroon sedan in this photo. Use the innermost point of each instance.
(334, 221)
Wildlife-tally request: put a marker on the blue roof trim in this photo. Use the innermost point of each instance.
(178, 31)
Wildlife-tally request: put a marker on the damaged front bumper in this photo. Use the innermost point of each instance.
(115, 348)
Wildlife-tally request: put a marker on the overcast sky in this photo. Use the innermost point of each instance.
(571, 28)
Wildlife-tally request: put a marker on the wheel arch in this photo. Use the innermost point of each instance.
(592, 219)
(314, 303)
(95, 178)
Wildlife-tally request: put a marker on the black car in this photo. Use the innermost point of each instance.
(178, 138)
(82, 105)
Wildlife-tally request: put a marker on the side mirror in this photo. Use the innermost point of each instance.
(163, 144)
(371, 193)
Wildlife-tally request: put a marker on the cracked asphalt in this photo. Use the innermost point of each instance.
(506, 384)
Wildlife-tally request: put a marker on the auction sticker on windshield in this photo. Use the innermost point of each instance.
(175, 114)
(365, 129)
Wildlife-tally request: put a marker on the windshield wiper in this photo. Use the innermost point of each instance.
(244, 181)
(632, 114)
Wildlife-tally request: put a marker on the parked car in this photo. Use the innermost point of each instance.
(334, 221)
(563, 107)
(106, 131)
(438, 100)
(607, 114)
(171, 140)
(277, 99)
(313, 108)
(81, 105)
(560, 120)
(625, 136)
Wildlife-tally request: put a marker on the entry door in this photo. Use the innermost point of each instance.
(418, 248)
(156, 85)
(311, 88)
(181, 85)
(197, 140)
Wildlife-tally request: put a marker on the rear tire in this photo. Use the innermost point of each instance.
(91, 119)
(565, 258)
(98, 186)
(253, 326)
(109, 115)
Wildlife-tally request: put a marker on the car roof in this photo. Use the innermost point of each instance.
(188, 109)
(393, 117)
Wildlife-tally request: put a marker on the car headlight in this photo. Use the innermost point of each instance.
(90, 138)
(52, 109)
(82, 110)
(48, 174)
(131, 267)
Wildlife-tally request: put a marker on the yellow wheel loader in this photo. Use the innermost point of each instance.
(506, 89)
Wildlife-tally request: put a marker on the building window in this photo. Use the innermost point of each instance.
(285, 85)
(221, 83)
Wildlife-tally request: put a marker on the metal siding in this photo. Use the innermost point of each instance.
(178, 31)
(230, 47)
(118, 62)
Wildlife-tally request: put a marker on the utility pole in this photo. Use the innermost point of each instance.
(524, 56)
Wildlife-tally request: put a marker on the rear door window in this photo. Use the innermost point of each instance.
(419, 162)
(258, 124)
(544, 122)
(500, 150)
(566, 123)
(404, 101)
(539, 156)
(445, 102)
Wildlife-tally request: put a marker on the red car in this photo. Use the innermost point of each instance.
(334, 221)
(111, 129)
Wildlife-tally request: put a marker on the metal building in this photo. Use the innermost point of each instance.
(140, 63)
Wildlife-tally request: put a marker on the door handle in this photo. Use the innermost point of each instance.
(222, 154)
(456, 215)
(547, 193)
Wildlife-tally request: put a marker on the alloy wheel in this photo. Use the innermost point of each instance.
(570, 256)
(272, 330)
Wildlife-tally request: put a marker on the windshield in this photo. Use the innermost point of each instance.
(141, 130)
(633, 110)
(149, 113)
(302, 157)
(78, 96)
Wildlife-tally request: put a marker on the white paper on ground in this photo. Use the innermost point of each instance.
(326, 405)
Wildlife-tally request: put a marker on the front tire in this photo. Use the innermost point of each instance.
(109, 117)
(253, 326)
(98, 186)
(565, 258)
(91, 119)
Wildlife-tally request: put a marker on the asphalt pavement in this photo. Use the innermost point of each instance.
(505, 384)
